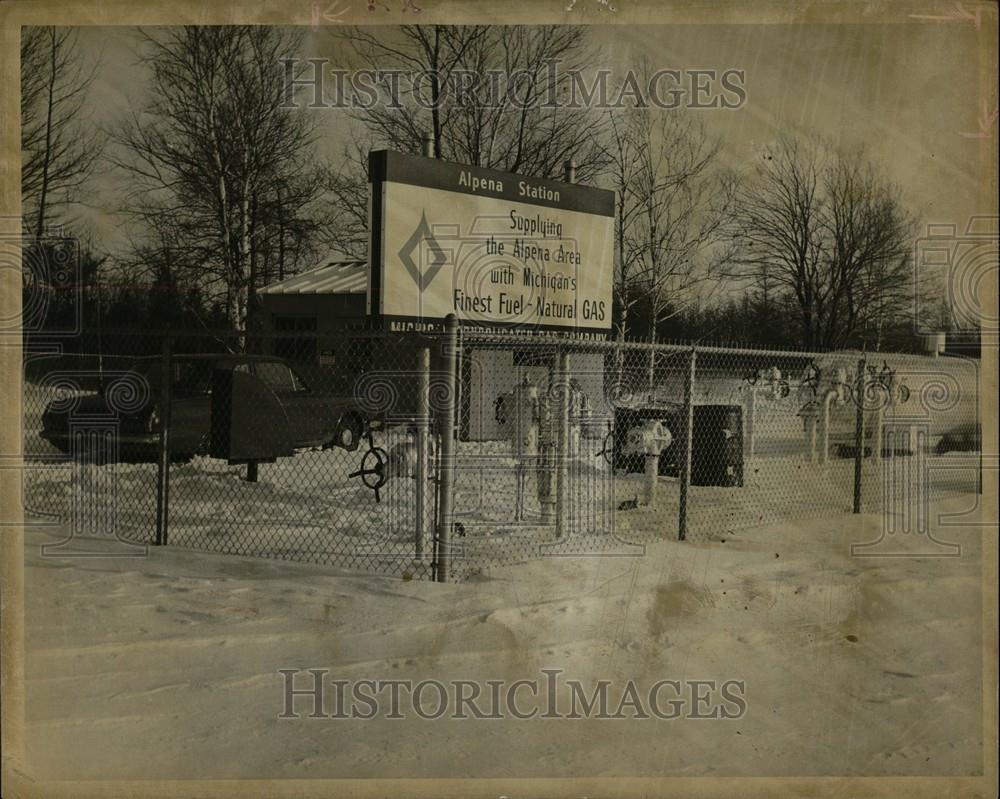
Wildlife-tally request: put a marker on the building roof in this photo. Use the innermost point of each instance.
(335, 277)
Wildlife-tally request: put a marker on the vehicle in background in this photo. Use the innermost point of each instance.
(962, 438)
(316, 417)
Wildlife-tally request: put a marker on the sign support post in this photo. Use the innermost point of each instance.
(423, 430)
(163, 462)
(446, 485)
(562, 440)
(859, 434)
(687, 434)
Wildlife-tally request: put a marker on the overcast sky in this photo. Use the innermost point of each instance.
(908, 92)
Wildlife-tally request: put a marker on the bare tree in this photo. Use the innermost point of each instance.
(530, 127)
(827, 229)
(482, 93)
(349, 189)
(625, 152)
(217, 163)
(433, 52)
(682, 202)
(58, 150)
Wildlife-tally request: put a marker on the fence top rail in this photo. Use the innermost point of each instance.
(476, 337)
(41, 339)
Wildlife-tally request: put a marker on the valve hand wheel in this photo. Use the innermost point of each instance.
(608, 451)
(373, 468)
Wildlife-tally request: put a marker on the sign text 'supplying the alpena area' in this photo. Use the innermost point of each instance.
(494, 248)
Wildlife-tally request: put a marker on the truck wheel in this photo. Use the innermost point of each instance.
(95, 456)
(349, 432)
(203, 445)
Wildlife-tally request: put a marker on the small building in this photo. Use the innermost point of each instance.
(321, 302)
(327, 306)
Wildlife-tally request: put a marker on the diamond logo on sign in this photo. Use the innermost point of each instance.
(412, 247)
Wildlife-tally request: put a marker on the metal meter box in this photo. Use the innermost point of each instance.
(248, 423)
(716, 442)
(717, 446)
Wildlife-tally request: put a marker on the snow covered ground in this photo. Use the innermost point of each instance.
(167, 665)
(306, 508)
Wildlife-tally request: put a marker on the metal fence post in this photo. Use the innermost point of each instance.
(562, 440)
(459, 365)
(163, 403)
(544, 462)
(687, 434)
(446, 483)
(878, 434)
(423, 431)
(859, 434)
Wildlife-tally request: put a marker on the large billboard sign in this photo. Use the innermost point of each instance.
(494, 248)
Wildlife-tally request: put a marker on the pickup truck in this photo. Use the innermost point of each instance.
(316, 417)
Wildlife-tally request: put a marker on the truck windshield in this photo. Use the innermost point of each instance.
(190, 377)
(278, 376)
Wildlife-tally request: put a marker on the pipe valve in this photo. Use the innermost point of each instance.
(649, 438)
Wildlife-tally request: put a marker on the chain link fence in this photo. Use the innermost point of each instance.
(332, 449)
